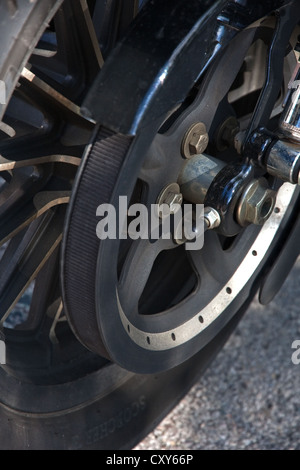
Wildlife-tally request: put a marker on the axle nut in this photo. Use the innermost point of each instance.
(256, 204)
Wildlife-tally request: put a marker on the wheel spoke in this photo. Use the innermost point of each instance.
(20, 216)
(22, 161)
(43, 149)
(50, 99)
(78, 58)
(58, 317)
(46, 280)
(58, 127)
(43, 127)
(19, 188)
(38, 244)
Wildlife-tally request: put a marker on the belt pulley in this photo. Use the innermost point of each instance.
(117, 298)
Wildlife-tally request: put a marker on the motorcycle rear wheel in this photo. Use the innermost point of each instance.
(55, 393)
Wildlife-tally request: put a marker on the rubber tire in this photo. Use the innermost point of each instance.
(116, 417)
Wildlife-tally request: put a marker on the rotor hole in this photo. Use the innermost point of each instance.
(173, 336)
(254, 253)
(201, 319)
(228, 290)
(276, 210)
(128, 328)
(148, 340)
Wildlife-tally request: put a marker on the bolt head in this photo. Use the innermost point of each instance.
(172, 197)
(212, 218)
(174, 201)
(195, 140)
(198, 143)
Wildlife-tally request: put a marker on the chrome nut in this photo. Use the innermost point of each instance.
(256, 203)
(195, 140)
(212, 218)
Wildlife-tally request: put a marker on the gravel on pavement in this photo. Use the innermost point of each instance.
(249, 398)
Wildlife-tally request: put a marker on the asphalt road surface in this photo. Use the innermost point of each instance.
(250, 396)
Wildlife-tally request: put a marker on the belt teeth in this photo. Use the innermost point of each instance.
(94, 185)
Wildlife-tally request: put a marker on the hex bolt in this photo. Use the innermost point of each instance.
(179, 234)
(256, 204)
(195, 140)
(212, 218)
(170, 196)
